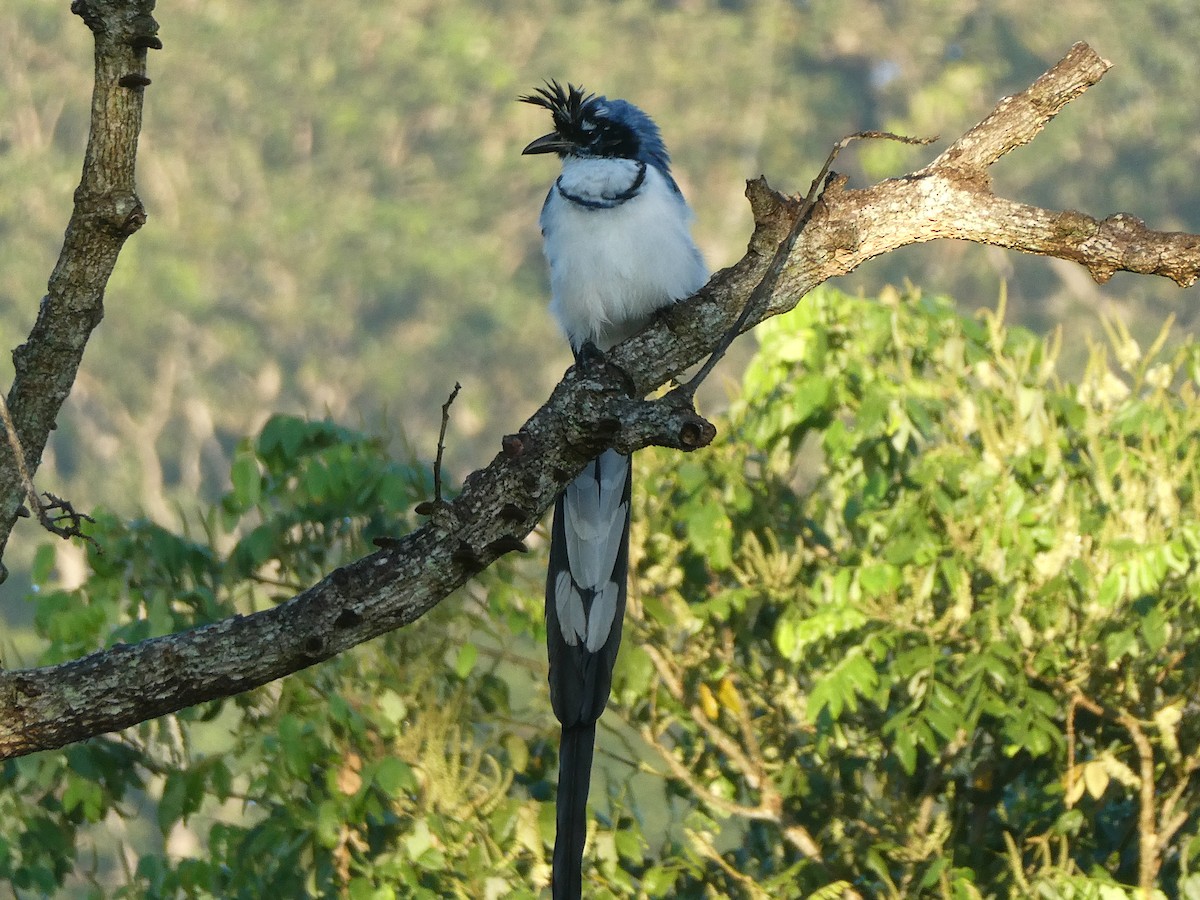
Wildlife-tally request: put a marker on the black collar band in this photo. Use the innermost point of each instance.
(605, 202)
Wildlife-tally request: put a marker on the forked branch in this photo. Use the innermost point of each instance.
(592, 408)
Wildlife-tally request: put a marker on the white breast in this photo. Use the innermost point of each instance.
(611, 268)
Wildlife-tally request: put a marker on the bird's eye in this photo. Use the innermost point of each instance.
(588, 125)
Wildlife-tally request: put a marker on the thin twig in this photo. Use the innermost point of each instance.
(438, 504)
(67, 513)
(723, 741)
(741, 712)
(437, 463)
(706, 849)
(43, 511)
(670, 680)
(1071, 774)
(681, 773)
(753, 767)
(766, 287)
(1169, 821)
(1147, 835)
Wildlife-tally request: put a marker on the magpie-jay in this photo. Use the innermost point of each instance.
(616, 232)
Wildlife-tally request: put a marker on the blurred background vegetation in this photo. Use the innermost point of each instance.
(341, 227)
(341, 222)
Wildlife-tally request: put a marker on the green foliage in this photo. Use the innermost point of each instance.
(382, 773)
(954, 611)
(918, 625)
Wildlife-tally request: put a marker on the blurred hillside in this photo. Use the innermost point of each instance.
(341, 223)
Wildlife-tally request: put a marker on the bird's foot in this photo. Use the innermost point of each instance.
(589, 356)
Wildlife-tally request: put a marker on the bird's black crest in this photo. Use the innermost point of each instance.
(566, 106)
(594, 126)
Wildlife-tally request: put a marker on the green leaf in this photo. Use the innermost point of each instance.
(394, 776)
(904, 745)
(711, 534)
(629, 844)
(247, 481)
(171, 803)
(634, 671)
(1155, 628)
(419, 840)
(659, 881)
(281, 439)
(328, 824)
(879, 580)
(465, 660)
(812, 396)
(43, 564)
(840, 688)
(392, 707)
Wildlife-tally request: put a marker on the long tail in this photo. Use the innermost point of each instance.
(585, 605)
(574, 777)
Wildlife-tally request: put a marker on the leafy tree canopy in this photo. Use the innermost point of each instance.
(922, 623)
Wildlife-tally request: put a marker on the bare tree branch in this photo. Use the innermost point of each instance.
(591, 409)
(107, 211)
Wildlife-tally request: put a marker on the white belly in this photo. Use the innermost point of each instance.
(611, 268)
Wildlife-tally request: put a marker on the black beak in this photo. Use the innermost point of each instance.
(549, 143)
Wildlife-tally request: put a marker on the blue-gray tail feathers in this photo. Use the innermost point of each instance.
(585, 582)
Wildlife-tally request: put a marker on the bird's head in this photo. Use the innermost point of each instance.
(589, 126)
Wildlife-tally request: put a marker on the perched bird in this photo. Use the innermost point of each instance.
(616, 232)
